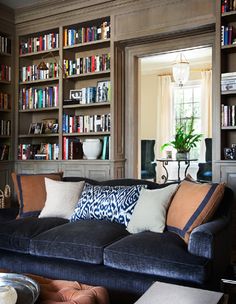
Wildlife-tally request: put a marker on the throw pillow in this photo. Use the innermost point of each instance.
(112, 203)
(31, 192)
(62, 198)
(193, 205)
(150, 211)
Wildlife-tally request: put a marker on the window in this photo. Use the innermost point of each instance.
(187, 103)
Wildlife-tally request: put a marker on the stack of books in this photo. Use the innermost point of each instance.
(228, 81)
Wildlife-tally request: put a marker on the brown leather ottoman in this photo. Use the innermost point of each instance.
(60, 291)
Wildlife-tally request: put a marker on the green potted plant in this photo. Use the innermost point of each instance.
(185, 139)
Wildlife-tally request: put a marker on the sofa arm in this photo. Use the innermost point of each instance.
(206, 238)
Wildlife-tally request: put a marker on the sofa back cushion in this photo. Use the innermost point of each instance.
(112, 203)
(31, 191)
(193, 204)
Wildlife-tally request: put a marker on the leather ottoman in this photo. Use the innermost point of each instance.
(60, 291)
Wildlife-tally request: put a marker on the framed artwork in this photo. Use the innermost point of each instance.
(36, 128)
(103, 91)
(76, 95)
(48, 125)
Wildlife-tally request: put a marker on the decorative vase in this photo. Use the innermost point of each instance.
(182, 155)
(92, 148)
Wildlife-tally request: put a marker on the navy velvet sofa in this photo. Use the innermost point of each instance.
(104, 253)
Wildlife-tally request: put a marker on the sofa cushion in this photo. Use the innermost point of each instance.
(81, 241)
(162, 254)
(150, 211)
(193, 204)
(62, 198)
(15, 235)
(112, 203)
(31, 192)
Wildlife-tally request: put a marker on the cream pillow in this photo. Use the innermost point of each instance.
(61, 199)
(150, 211)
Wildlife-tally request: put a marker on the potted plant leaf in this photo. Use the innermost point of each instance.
(185, 139)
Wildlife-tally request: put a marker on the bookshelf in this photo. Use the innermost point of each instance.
(80, 99)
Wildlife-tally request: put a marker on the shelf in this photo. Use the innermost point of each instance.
(39, 81)
(232, 92)
(229, 47)
(86, 134)
(86, 75)
(39, 53)
(87, 105)
(228, 128)
(38, 135)
(5, 82)
(5, 54)
(39, 110)
(5, 136)
(229, 16)
(97, 43)
(5, 111)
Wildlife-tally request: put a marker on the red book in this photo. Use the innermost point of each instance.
(93, 64)
(41, 43)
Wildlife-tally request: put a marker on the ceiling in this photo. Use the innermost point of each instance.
(197, 58)
(17, 4)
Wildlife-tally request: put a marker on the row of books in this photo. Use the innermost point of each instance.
(5, 72)
(5, 44)
(228, 115)
(32, 73)
(95, 63)
(4, 152)
(228, 81)
(5, 127)
(73, 148)
(74, 36)
(38, 98)
(228, 6)
(41, 43)
(5, 103)
(43, 151)
(86, 123)
(227, 35)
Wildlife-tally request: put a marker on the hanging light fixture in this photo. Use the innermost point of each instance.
(181, 70)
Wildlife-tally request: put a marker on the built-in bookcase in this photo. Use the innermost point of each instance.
(6, 97)
(74, 93)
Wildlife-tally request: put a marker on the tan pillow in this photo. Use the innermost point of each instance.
(193, 204)
(62, 198)
(31, 192)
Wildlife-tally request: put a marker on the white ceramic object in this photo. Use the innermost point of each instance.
(92, 148)
(8, 295)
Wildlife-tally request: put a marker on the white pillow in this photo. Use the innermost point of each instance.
(150, 211)
(62, 198)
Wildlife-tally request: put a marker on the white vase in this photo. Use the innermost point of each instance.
(92, 148)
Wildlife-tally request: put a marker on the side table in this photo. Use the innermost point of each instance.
(165, 293)
(165, 162)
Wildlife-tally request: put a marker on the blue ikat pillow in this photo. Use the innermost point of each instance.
(111, 203)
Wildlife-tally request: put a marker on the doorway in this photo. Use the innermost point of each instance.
(132, 89)
(165, 103)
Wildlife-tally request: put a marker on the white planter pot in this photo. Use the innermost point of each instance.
(92, 148)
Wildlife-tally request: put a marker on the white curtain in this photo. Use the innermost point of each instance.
(164, 116)
(206, 109)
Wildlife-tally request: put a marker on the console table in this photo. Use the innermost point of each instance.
(165, 293)
(166, 161)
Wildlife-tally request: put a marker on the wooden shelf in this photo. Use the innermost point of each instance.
(5, 111)
(39, 81)
(228, 92)
(41, 53)
(5, 54)
(39, 110)
(38, 135)
(98, 43)
(5, 82)
(87, 105)
(229, 47)
(86, 134)
(88, 75)
(5, 136)
(228, 128)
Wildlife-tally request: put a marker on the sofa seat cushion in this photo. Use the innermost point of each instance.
(162, 254)
(82, 241)
(15, 235)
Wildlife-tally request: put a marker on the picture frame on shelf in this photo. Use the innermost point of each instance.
(76, 95)
(230, 153)
(48, 125)
(35, 128)
(103, 91)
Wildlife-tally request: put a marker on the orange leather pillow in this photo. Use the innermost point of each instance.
(31, 191)
(193, 204)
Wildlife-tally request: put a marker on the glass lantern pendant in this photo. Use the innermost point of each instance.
(181, 70)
